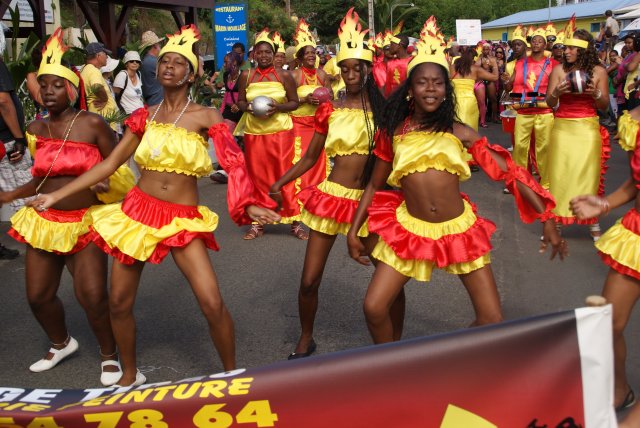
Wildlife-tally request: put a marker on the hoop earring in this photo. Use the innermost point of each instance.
(408, 97)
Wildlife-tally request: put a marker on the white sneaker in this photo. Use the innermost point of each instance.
(58, 355)
(110, 378)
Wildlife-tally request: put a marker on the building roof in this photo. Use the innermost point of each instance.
(560, 13)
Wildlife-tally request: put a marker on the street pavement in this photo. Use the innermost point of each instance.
(259, 280)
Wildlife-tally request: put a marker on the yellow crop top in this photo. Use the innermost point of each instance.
(419, 151)
(168, 148)
(345, 129)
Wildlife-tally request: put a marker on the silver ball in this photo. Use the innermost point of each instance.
(261, 105)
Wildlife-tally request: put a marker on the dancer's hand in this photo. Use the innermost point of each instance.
(262, 215)
(101, 187)
(552, 236)
(587, 206)
(356, 250)
(42, 202)
(276, 195)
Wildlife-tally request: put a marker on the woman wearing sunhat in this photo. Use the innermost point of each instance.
(128, 84)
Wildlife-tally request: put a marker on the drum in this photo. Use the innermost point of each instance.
(508, 118)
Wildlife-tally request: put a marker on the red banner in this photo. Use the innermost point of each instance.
(536, 372)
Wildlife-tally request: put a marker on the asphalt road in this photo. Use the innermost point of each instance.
(259, 281)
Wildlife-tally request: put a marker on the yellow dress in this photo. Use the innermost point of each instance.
(466, 102)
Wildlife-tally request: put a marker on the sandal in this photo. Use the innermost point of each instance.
(299, 232)
(255, 231)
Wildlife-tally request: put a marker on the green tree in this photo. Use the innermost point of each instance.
(270, 14)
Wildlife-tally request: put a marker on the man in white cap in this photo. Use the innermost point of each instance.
(99, 97)
(151, 89)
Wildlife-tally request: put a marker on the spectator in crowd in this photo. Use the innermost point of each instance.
(239, 49)
(128, 84)
(151, 89)
(99, 97)
(14, 163)
(611, 30)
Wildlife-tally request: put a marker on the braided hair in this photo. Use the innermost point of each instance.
(368, 89)
(398, 108)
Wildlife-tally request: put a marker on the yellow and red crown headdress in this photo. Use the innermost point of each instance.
(559, 38)
(379, 40)
(386, 39)
(568, 35)
(430, 47)
(550, 30)
(519, 34)
(540, 31)
(278, 42)
(182, 43)
(303, 36)
(263, 36)
(351, 35)
(52, 59)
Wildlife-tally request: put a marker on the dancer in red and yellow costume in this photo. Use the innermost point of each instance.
(308, 78)
(397, 63)
(161, 215)
(64, 145)
(429, 223)
(269, 138)
(579, 146)
(344, 128)
(619, 248)
(280, 57)
(528, 86)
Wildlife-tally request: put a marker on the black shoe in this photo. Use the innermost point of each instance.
(219, 177)
(8, 253)
(629, 401)
(310, 350)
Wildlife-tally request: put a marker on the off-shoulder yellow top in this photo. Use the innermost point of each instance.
(168, 148)
(347, 133)
(419, 151)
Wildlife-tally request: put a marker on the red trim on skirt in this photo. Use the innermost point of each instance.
(156, 213)
(620, 268)
(60, 216)
(324, 205)
(447, 250)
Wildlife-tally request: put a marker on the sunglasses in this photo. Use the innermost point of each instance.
(551, 39)
(558, 46)
(136, 61)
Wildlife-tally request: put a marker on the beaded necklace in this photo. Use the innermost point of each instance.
(155, 150)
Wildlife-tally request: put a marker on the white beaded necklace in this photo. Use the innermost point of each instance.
(155, 150)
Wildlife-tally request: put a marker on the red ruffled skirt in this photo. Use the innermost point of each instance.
(329, 208)
(414, 247)
(144, 228)
(619, 247)
(56, 231)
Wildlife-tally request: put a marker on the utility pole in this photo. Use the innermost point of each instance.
(287, 7)
(372, 30)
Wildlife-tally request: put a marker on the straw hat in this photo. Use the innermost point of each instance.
(149, 38)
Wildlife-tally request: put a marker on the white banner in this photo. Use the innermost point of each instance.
(468, 31)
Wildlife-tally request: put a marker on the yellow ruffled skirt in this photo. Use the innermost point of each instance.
(414, 247)
(56, 231)
(619, 247)
(145, 228)
(329, 208)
